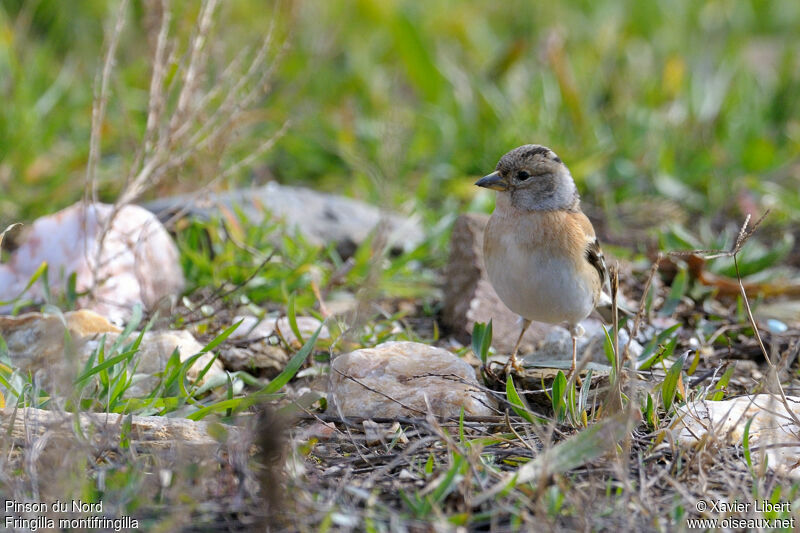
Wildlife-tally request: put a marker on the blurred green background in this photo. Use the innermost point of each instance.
(680, 110)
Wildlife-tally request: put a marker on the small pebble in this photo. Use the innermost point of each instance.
(776, 326)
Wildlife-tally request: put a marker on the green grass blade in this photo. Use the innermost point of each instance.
(746, 442)
(293, 366)
(587, 445)
(585, 386)
(219, 339)
(559, 395)
(104, 365)
(651, 354)
(678, 289)
(482, 340)
(38, 273)
(292, 316)
(517, 403)
(670, 385)
(719, 390)
(234, 404)
(445, 487)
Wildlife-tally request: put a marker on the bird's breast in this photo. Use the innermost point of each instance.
(536, 271)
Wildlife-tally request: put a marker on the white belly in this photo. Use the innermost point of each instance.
(538, 286)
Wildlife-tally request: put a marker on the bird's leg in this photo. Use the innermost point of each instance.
(512, 361)
(576, 331)
(574, 355)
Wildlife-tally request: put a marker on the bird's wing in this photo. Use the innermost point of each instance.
(593, 253)
(594, 256)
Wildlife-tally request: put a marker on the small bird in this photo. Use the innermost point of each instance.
(540, 250)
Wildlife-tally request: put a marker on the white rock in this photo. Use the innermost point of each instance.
(157, 434)
(397, 379)
(321, 218)
(138, 263)
(724, 422)
(373, 432)
(36, 344)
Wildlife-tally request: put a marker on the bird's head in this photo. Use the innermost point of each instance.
(534, 178)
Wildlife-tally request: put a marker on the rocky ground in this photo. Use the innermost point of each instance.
(208, 412)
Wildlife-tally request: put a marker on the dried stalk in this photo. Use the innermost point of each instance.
(207, 113)
(101, 102)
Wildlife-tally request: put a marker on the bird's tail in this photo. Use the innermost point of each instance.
(604, 307)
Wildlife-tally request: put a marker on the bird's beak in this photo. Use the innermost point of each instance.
(493, 181)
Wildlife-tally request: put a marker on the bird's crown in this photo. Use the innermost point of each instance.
(528, 156)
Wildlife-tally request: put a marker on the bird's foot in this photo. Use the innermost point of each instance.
(514, 363)
(488, 369)
(577, 376)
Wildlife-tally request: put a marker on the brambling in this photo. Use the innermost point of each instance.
(540, 250)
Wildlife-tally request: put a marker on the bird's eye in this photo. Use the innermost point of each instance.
(522, 175)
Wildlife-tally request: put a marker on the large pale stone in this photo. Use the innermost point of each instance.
(723, 423)
(122, 261)
(321, 218)
(36, 344)
(146, 433)
(397, 379)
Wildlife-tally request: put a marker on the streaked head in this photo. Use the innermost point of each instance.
(535, 179)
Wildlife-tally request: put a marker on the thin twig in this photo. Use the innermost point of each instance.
(101, 102)
(744, 234)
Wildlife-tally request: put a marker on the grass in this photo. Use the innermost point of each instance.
(689, 105)
(676, 120)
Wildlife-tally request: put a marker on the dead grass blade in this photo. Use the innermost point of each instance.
(587, 445)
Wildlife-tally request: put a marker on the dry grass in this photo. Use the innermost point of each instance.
(196, 114)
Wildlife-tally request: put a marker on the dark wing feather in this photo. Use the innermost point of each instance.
(595, 257)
